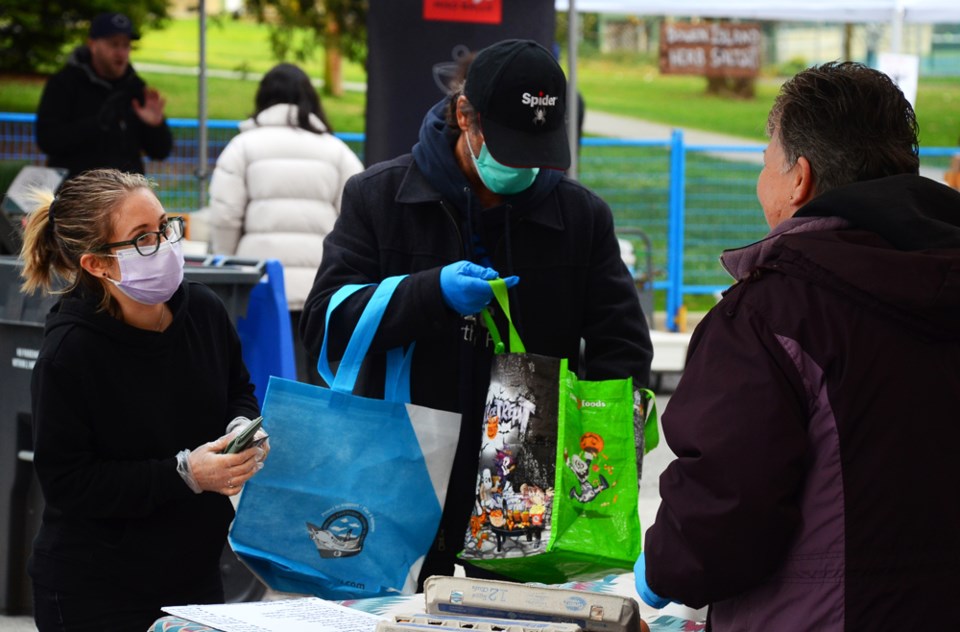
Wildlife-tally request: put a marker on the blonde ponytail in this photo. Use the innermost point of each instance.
(39, 247)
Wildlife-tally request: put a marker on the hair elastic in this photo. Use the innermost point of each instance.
(50, 215)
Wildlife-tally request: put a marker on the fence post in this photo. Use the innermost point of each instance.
(202, 144)
(678, 167)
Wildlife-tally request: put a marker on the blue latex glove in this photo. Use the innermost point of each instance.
(649, 597)
(464, 286)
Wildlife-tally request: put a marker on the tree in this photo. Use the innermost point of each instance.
(298, 27)
(34, 35)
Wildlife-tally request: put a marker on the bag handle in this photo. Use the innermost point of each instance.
(396, 387)
(499, 287)
(397, 383)
(651, 432)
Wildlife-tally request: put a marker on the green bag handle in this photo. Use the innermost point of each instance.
(499, 288)
(651, 432)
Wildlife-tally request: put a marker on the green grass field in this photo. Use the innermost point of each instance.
(233, 99)
(240, 45)
(620, 84)
(643, 93)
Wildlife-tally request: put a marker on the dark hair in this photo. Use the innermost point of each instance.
(53, 242)
(457, 86)
(467, 108)
(286, 83)
(852, 123)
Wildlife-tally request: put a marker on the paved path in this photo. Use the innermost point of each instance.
(617, 126)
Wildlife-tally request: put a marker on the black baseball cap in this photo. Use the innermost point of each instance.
(107, 24)
(520, 94)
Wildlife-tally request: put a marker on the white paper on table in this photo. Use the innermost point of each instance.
(309, 614)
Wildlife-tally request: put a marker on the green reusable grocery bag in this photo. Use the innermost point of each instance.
(557, 482)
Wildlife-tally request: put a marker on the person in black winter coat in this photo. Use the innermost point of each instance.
(138, 388)
(97, 112)
(482, 194)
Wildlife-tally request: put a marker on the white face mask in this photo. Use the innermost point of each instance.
(152, 279)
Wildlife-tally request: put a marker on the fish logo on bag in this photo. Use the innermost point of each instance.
(341, 534)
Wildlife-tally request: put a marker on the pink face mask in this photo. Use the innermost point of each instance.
(152, 279)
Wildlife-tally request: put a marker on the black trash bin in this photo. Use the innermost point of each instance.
(21, 332)
(18, 198)
(232, 279)
(21, 503)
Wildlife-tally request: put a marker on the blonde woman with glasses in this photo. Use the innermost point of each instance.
(138, 376)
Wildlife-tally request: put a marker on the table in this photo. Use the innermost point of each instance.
(388, 606)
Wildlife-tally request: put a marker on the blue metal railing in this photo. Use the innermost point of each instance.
(693, 201)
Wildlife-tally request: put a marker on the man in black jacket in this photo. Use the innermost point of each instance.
(97, 112)
(483, 193)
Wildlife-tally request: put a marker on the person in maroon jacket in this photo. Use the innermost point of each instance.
(815, 426)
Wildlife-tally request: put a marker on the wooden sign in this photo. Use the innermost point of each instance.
(710, 49)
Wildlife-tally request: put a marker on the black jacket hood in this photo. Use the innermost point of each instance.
(911, 212)
(892, 244)
(80, 59)
(80, 308)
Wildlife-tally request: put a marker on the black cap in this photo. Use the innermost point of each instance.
(107, 24)
(520, 93)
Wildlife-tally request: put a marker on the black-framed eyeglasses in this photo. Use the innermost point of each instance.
(148, 243)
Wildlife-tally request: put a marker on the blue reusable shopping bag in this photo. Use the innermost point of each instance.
(348, 503)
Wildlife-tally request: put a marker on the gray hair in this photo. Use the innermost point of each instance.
(852, 123)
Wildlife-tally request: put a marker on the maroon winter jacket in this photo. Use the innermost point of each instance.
(817, 424)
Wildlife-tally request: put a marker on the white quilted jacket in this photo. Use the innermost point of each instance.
(275, 194)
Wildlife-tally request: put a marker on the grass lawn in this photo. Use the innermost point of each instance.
(229, 99)
(237, 45)
(633, 87)
(642, 92)
(622, 84)
(232, 99)
(241, 45)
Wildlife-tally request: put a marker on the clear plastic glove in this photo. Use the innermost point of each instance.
(212, 471)
(464, 286)
(649, 597)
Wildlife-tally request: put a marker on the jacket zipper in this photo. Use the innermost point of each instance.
(453, 220)
(471, 326)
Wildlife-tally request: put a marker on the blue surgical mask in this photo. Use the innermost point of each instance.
(500, 178)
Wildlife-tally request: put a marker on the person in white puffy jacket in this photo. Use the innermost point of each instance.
(275, 192)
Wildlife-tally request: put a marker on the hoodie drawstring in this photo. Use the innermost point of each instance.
(470, 234)
(516, 311)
